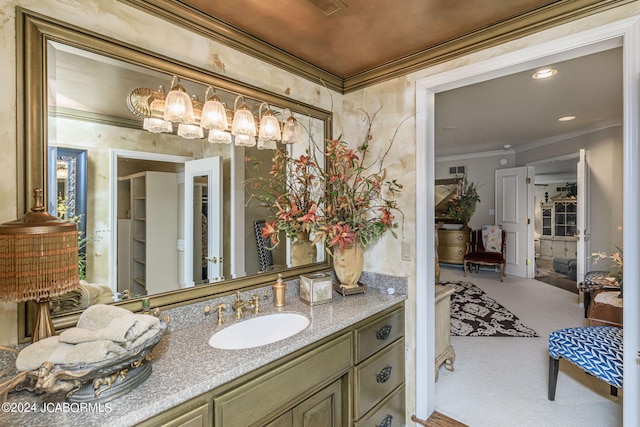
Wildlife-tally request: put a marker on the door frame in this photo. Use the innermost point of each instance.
(625, 32)
(114, 155)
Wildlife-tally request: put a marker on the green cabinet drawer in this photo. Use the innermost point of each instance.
(264, 395)
(378, 376)
(378, 334)
(389, 413)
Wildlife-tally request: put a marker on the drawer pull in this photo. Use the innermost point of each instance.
(384, 375)
(383, 333)
(386, 422)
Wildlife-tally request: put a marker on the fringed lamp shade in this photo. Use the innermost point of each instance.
(38, 261)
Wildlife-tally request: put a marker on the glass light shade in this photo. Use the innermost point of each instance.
(270, 127)
(219, 137)
(266, 144)
(243, 122)
(178, 106)
(190, 131)
(245, 140)
(154, 125)
(214, 115)
(291, 131)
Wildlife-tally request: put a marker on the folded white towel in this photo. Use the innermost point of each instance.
(123, 329)
(52, 350)
(99, 316)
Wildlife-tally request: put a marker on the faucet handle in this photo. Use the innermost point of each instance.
(220, 309)
(255, 303)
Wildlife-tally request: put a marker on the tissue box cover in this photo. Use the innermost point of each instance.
(316, 288)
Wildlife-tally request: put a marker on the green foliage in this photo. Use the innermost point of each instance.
(463, 207)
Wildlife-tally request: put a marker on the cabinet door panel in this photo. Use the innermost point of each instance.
(262, 396)
(285, 420)
(323, 409)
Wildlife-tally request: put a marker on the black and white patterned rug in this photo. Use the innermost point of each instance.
(475, 314)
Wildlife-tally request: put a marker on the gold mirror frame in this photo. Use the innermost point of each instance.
(33, 33)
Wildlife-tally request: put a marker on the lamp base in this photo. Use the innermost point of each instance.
(43, 327)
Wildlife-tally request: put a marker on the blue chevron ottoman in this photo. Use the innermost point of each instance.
(595, 349)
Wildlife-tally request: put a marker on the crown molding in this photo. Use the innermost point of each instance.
(187, 17)
(557, 13)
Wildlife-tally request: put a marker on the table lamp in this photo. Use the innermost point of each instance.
(38, 261)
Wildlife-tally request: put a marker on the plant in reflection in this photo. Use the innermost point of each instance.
(292, 192)
(64, 209)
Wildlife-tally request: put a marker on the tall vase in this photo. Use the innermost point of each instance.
(303, 251)
(348, 264)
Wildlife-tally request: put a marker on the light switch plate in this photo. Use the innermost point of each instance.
(406, 251)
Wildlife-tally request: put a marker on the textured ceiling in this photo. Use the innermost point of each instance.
(367, 33)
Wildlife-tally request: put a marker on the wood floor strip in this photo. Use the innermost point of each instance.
(439, 420)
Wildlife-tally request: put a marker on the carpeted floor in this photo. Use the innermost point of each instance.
(475, 314)
(502, 381)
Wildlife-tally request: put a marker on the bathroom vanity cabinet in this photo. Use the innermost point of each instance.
(353, 377)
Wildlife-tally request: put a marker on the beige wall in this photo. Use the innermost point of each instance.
(481, 171)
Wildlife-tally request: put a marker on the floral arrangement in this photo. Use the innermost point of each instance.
(463, 207)
(348, 201)
(617, 257)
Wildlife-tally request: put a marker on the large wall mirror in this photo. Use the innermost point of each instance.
(163, 217)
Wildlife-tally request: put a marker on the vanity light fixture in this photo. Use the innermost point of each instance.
(214, 114)
(291, 131)
(188, 131)
(566, 118)
(269, 125)
(244, 124)
(178, 106)
(219, 137)
(155, 125)
(544, 73)
(160, 110)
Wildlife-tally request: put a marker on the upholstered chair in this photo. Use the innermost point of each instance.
(487, 247)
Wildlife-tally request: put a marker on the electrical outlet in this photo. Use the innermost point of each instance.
(406, 251)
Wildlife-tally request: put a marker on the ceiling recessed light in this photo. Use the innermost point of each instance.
(544, 73)
(566, 118)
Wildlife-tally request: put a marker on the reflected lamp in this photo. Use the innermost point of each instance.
(291, 131)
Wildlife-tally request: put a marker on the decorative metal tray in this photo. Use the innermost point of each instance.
(95, 382)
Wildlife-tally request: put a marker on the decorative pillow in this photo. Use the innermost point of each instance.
(492, 238)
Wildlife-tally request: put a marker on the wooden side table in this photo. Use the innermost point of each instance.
(444, 350)
(606, 309)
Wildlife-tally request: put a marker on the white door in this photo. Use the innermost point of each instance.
(202, 221)
(582, 219)
(514, 212)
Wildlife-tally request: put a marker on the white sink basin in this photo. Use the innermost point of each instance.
(259, 331)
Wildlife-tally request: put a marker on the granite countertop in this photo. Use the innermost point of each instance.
(185, 366)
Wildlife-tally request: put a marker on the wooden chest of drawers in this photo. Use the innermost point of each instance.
(452, 244)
